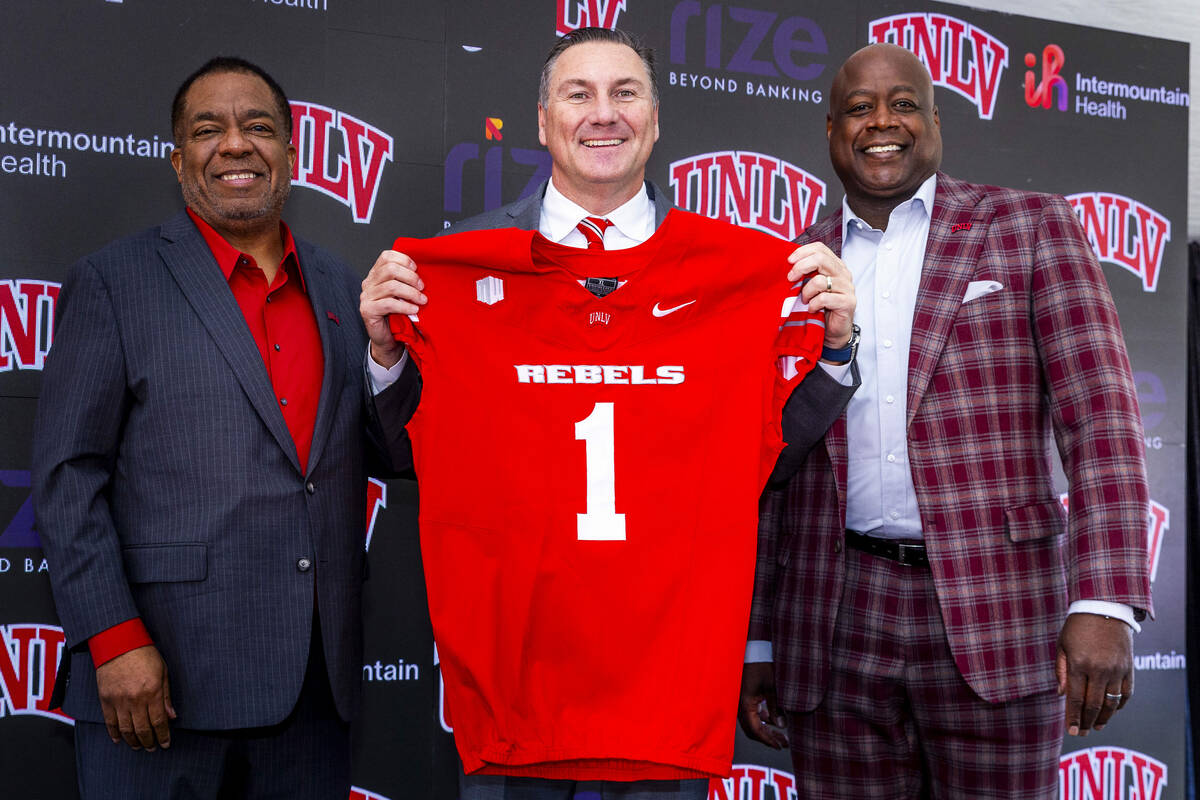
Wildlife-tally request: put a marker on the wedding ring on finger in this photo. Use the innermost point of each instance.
(829, 283)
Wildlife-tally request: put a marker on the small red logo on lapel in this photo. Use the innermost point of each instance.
(960, 226)
(333, 317)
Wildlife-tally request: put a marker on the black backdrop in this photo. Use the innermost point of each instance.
(415, 114)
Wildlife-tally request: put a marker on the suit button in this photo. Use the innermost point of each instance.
(837, 546)
(310, 487)
(304, 565)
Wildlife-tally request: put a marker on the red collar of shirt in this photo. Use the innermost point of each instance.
(227, 255)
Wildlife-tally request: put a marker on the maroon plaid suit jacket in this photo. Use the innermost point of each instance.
(990, 382)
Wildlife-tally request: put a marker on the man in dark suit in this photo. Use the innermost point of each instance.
(598, 116)
(927, 602)
(199, 478)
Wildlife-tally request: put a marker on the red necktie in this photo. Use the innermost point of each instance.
(593, 229)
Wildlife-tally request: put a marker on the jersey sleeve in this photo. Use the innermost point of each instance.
(405, 326)
(801, 337)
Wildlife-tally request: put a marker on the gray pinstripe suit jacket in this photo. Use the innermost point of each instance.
(166, 484)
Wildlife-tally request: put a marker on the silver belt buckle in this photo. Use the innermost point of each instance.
(905, 549)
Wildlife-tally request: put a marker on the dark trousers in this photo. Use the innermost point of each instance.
(898, 721)
(305, 757)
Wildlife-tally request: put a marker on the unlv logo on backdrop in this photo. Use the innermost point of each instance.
(376, 499)
(574, 14)
(752, 782)
(26, 322)
(1158, 521)
(1124, 232)
(750, 189)
(1110, 773)
(339, 155)
(959, 56)
(29, 656)
(357, 793)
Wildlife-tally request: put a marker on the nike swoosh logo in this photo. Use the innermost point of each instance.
(662, 312)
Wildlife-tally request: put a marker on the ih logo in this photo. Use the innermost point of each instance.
(376, 499)
(574, 14)
(26, 323)
(753, 782)
(1051, 83)
(29, 656)
(1124, 232)
(465, 176)
(1158, 521)
(1110, 773)
(753, 190)
(339, 155)
(959, 56)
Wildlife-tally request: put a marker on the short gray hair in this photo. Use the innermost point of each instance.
(585, 35)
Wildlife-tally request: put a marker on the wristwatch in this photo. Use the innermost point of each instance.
(842, 355)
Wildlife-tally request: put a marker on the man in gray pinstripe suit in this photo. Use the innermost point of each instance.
(199, 479)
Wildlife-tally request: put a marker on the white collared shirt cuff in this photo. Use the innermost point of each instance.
(1106, 609)
(382, 377)
(758, 651)
(839, 372)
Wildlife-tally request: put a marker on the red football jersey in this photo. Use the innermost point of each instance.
(589, 474)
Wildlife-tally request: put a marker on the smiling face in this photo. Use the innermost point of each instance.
(233, 162)
(884, 133)
(599, 123)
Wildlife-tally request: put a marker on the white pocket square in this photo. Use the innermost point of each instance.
(980, 288)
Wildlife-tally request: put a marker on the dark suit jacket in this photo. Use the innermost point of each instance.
(166, 484)
(990, 381)
(809, 412)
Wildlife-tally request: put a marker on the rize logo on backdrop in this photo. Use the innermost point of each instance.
(1158, 521)
(1110, 773)
(768, 47)
(462, 178)
(29, 655)
(1051, 85)
(18, 531)
(1124, 232)
(339, 155)
(750, 189)
(26, 322)
(574, 14)
(959, 56)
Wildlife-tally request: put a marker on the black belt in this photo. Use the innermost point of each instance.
(908, 553)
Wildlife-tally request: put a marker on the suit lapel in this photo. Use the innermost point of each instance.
(321, 295)
(526, 213)
(957, 231)
(829, 231)
(661, 204)
(191, 264)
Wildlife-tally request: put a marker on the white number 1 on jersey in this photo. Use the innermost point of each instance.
(601, 522)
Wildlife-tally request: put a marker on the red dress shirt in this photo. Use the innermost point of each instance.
(282, 323)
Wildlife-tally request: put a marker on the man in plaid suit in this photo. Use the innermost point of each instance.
(927, 607)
